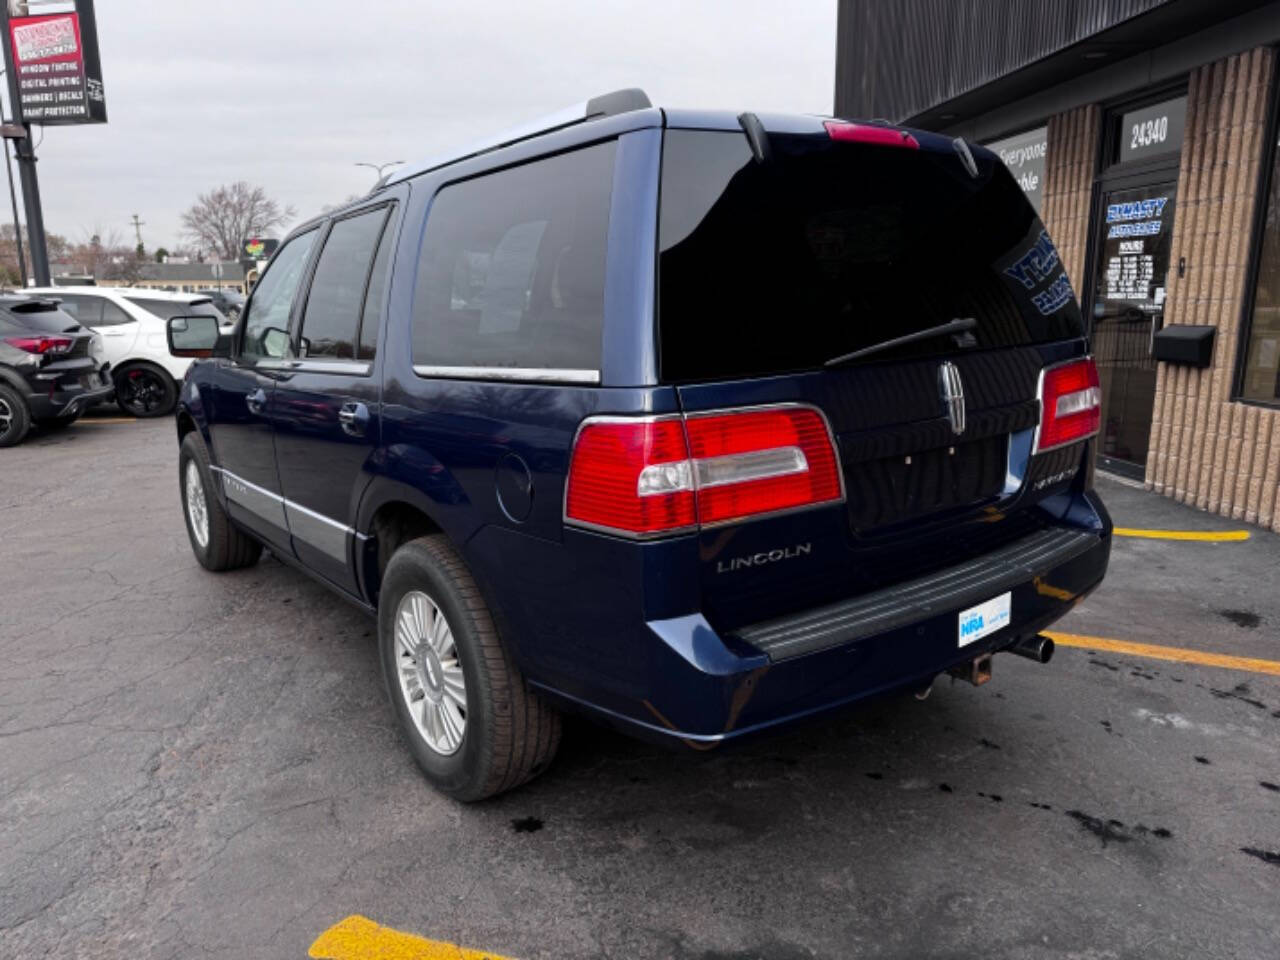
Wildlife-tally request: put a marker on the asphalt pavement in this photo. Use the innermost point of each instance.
(195, 765)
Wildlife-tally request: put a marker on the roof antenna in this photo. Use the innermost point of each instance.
(756, 136)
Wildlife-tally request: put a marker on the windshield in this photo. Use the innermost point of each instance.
(828, 248)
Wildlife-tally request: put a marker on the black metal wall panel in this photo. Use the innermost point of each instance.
(897, 58)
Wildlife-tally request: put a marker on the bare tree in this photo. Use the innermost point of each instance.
(106, 257)
(10, 275)
(221, 219)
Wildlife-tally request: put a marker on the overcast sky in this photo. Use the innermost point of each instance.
(290, 94)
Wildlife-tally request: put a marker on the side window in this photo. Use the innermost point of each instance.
(112, 315)
(378, 280)
(86, 310)
(331, 321)
(512, 266)
(266, 326)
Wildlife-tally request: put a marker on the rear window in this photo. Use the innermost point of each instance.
(828, 248)
(165, 309)
(40, 318)
(512, 267)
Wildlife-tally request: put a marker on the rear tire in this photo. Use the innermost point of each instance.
(15, 418)
(508, 734)
(217, 544)
(143, 390)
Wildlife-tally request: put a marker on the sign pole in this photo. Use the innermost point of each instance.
(27, 174)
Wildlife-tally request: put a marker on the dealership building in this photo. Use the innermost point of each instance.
(1146, 134)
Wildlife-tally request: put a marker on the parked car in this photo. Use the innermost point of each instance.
(699, 423)
(51, 368)
(229, 302)
(131, 322)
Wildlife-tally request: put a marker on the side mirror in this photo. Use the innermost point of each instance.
(197, 336)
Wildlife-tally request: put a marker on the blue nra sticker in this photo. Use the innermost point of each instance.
(986, 618)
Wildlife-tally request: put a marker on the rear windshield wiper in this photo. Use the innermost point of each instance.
(958, 325)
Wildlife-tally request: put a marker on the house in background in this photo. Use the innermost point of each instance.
(177, 277)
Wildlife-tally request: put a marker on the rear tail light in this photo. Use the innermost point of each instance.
(1070, 404)
(40, 344)
(659, 475)
(869, 133)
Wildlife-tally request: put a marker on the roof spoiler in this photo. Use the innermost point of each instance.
(605, 105)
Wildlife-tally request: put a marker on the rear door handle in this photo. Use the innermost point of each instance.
(256, 400)
(354, 417)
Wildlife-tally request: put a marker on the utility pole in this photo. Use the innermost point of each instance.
(137, 229)
(5, 129)
(27, 175)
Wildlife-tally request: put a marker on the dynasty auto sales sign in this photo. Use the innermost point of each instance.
(53, 51)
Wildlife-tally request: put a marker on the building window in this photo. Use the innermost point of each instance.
(1024, 154)
(1260, 380)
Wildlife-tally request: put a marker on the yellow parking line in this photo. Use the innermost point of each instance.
(359, 938)
(107, 420)
(1160, 652)
(1208, 536)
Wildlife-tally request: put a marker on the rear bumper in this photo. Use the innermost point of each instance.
(63, 392)
(702, 688)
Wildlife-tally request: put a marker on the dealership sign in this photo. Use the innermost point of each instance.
(53, 51)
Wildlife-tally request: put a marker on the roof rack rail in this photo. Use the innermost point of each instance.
(605, 105)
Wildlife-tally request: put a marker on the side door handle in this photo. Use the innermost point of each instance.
(256, 401)
(354, 418)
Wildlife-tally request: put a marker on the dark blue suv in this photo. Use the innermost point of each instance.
(699, 423)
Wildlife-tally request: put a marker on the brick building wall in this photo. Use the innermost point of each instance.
(1208, 451)
(1205, 449)
(1068, 185)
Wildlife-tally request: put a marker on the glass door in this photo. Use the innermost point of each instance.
(1136, 227)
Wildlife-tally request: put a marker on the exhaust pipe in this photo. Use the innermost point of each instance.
(977, 671)
(1038, 648)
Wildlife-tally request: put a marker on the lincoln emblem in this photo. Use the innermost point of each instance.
(952, 390)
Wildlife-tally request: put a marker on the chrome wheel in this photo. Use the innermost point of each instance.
(6, 416)
(197, 511)
(431, 679)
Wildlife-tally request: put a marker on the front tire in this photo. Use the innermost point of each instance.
(473, 726)
(217, 544)
(15, 418)
(145, 391)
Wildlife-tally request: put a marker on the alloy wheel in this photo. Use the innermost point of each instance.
(141, 392)
(197, 511)
(430, 675)
(6, 416)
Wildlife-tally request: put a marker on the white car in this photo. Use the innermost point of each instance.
(132, 324)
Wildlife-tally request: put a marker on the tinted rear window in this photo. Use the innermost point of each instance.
(512, 266)
(164, 309)
(41, 318)
(829, 248)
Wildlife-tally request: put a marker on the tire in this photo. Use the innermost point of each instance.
(224, 546)
(143, 390)
(15, 418)
(509, 734)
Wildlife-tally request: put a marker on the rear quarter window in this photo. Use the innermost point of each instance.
(511, 272)
(167, 309)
